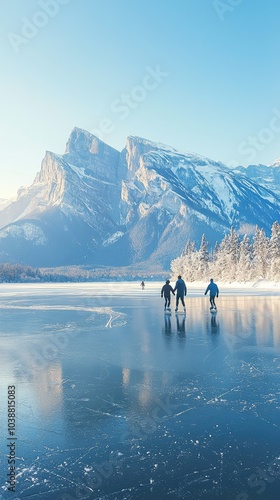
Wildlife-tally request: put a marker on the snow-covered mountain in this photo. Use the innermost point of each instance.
(268, 176)
(95, 205)
(4, 203)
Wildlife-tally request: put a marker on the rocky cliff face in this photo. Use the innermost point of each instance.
(95, 205)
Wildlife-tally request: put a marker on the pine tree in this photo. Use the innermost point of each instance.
(203, 259)
(216, 249)
(220, 267)
(232, 249)
(274, 243)
(190, 267)
(274, 252)
(260, 253)
(244, 266)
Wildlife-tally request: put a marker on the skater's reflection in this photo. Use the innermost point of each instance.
(181, 328)
(215, 327)
(167, 328)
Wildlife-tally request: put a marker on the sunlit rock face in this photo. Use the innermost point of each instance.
(95, 205)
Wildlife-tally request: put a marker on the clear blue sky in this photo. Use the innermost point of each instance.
(91, 60)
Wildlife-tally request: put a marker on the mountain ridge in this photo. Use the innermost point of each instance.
(96, 205)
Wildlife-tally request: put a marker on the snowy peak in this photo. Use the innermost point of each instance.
(266, 176)
(141, 143)
(80, 140)
(134, 149)
(137, 147)
(98, 206)
(276, 163)
(51, 169)
(85, 150)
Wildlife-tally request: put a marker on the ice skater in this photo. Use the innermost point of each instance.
(165, 291)
(214, 292)
(142, 284)
(181, 292)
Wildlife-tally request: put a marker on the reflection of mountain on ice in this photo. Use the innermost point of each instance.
(94, 205)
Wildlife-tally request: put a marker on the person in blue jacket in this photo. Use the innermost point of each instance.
(181, 292)
(214, 292)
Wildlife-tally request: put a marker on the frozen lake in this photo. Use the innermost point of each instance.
(115, 400)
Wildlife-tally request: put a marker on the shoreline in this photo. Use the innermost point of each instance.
(151, 287)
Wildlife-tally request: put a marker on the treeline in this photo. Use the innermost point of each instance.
(18, 273)
(235, 258)
(88, 274)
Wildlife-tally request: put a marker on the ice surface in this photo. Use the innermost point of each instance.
(116, 400)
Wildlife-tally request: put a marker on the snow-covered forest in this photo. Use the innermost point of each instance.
(235, 258)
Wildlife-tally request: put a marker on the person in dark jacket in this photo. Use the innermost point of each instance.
(214, 292)
(181, 292)
(165, 291)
